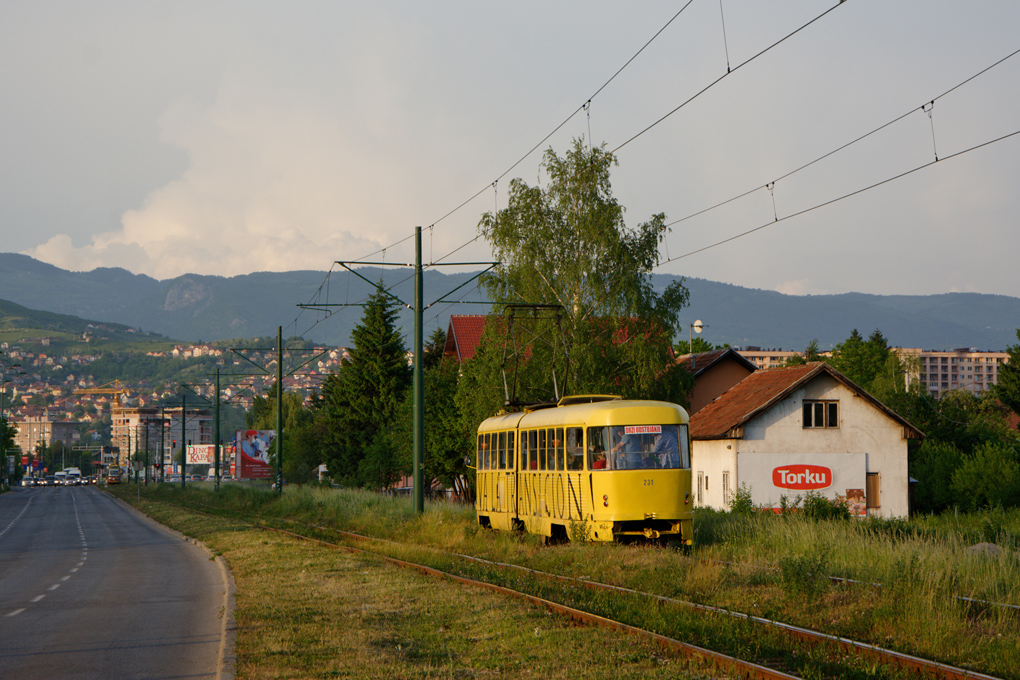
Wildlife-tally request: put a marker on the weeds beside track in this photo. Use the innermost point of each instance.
(744, 635)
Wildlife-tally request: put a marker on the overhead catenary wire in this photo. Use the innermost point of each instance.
(582, 107)
(587, 103)
(895, 120)
(724, 76)
(660, 119)
(673, 111)
(844, 196)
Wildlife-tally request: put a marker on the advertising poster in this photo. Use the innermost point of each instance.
(833, 475)
(252, 448)
(201, 454)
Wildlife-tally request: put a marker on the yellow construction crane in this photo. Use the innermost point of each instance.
(118, 388)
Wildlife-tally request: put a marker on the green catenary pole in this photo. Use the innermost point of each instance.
(162, 444)
(146, 451)
(184, 455)
(216, 431)
(279, 409)
(419, 383)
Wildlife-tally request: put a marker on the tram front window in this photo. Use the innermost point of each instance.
(638, 447)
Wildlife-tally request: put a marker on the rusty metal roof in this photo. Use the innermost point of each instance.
(761, 390)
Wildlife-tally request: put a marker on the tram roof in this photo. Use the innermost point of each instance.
(613, 411)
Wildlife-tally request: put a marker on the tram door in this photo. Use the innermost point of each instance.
(506, 474)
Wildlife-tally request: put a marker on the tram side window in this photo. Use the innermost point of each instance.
(533, 450)
(559, 448)
(483, 444)
(502, 450)
(510, 450)
(575, 448)
(541, 450)
(598, 448)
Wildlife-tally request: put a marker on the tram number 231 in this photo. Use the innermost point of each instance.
(649, 482)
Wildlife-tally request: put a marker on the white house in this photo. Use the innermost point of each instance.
(787, 431)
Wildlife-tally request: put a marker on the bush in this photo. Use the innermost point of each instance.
(989, 478)
(742, 503)
(817, 506)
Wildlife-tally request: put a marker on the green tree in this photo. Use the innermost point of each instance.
(695, 346)
(567, 245)
(1008, 388)
(932, 464)
(989, 478)
(360, 401)
(433, 349)
(869, 363)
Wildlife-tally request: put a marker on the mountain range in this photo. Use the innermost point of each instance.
(205, 308)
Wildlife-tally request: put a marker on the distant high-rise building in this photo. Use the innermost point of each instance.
(940, 371)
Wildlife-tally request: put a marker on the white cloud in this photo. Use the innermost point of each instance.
(799, 287)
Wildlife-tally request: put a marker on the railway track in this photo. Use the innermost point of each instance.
(777, 667)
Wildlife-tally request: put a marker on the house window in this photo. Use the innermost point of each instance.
(873, 490)
(726, 488)
(821, 414)
(701, 479)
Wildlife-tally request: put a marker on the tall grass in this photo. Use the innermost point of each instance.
(904, 578)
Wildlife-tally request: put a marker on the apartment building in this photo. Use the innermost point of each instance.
(955, 369)
(43, 430)
(139, 429)
(765, 359)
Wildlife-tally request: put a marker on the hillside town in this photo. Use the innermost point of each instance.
(54, 397)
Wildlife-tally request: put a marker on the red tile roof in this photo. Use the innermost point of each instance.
(761, 390)
(463, 336)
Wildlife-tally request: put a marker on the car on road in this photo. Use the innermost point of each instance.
(27, 481)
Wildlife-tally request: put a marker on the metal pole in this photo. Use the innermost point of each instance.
(216, 431)
(184, 457)
(146, 452)
(279, 409)
(162, 444)
(419, 383)
(4, 475)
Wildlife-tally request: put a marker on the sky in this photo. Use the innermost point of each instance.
(217, 137)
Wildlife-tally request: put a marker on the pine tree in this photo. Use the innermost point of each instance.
(360, 401)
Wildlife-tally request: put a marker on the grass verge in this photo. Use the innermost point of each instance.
(305, 610)
(763, 565)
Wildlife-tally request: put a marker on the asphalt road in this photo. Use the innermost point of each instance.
(91, 589)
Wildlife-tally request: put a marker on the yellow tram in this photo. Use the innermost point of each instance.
(592, 467)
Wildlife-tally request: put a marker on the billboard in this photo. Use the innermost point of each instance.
(200, 454)
(252, 447)
(771, 476)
